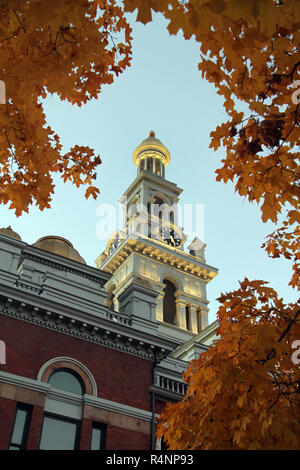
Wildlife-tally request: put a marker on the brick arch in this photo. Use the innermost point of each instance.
(72, 364)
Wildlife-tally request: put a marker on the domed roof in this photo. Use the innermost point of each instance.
(8, 231)
(151, 145)
(59, 246)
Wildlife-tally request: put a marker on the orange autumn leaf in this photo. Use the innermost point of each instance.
(67, 49)
(243, 393)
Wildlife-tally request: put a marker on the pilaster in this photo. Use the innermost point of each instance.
(193, 318)
(204, 318)
(180, 314)
(160, 307)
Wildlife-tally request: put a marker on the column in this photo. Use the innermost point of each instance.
(204, 317)
(199, 322)
(160, 307)
(180, 314)
(193, 318)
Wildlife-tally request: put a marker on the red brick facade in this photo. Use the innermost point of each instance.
(120, 377)
(55, 324)
(7, 413)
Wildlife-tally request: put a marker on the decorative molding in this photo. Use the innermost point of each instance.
(71, 399)
(51, 259)
(28, 287)
(162, 253)
(106, 335)
(71, 361)
(24, 382)
(116, 407)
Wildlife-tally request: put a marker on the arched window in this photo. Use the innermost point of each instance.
(67, 380)
(169, 306)
(60, 428)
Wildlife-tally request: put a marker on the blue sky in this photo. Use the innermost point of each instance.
(163, 91)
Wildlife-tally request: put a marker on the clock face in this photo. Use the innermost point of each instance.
(170, 237)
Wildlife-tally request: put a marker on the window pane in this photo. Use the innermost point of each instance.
(96, 438)
(58, 434)
(19, 426)
(14, 448)
(66, 381)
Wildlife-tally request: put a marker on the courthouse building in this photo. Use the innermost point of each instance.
(90, 355)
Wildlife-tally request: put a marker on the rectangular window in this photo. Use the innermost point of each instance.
(98, 437)
(21, 427)
(59, 433)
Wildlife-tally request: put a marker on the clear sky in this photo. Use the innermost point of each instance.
(163, 91)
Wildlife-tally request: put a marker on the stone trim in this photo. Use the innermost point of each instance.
(116, 407)
(21, 394)
(159, 251)
(118, 420)
(86, 400)
(50, 259)
(105, 335)
(15, 387)
(69, 363)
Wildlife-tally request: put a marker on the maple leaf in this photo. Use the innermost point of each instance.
(67, 49)
(92, 191)
(242, 380)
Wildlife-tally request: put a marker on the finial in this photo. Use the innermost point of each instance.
(151, 134)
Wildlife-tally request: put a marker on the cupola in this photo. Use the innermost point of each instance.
(151, 156)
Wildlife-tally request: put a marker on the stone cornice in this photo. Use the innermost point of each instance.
(112, 330)
(58, 262)
(12, 241)
(154, 249)
(188, 298)
(65, 264)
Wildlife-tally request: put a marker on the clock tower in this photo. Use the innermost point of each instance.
(148, 254)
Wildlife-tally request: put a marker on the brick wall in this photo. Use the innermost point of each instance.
(123, 439)
(120, 377)
(7, 414)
